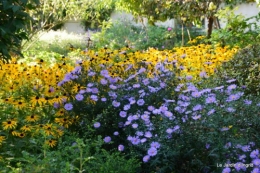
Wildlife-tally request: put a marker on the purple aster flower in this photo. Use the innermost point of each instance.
(143, 140)
(112, 94)
(91, 73)
(145, 117)
(254, 154)
(146, 158)
(115, 103)
(123, 114)
(140, 102)
(116, 133)
(141, 70)
(131, 100)
(233, 97)
(197, 107)
(252, 144)
(104, 73)
(169, 131)
(88, 90)
(152, 151)
(163, 108)
(196, 94)
(211, 99)
(121, 147)
(227, 145)
(196, 117)
(152, 89)
(113, 87)
(103, 81)
(203, 74)
(258, 104)
(134, 125)
(175, 128)
(56, 105)
(94, 90)
(139, 133)
(256, 162)
(120, 124)
(94, 97)
(242, 157)
(231, 80)
(168, 114)
(231, 87)
(127, 123)
(103, 99)
(219, 88)
(127, 107)
(155, 144)
(224, 129)
(230, 109)
(240, 166)
(146, 81)
(107, 139)
(68, 106)
(211, 112)
(246, 148)
(136, 85)
(151, 108)
(79, 97)
(90, 85)
(97, 124)
(255, 170)
(135, 140)
(247, 102)
(148, 134)
(207, 146)
(156, 111)
(189, 77)
(226, 170)
(162, 85)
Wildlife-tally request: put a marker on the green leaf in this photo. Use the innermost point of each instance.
(15, 8)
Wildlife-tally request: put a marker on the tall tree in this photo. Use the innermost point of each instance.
(164, 9)
(13, 21)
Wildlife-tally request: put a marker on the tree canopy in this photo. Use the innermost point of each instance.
(192, 10)
(13, 21)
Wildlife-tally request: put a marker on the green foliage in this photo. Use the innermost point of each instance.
(13, 20)
(239, 31)
(245, 67)
(73, 155)
(97, 12)
(120, 34)
(155, 10)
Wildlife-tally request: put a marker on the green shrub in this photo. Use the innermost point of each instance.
(73, 155)
(245, 67)
(120, 34)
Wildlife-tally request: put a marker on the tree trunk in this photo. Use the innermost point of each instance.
(210, 25)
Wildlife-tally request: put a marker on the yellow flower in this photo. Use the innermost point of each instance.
(26, 128)
(32, 118)
(64, 121)
(2, 138)
(9, 124)
(36, 100)
(21, 135)
(51, 142)
(49, 129)
(19, 104)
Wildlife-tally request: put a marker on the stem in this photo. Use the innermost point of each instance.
(182, 34)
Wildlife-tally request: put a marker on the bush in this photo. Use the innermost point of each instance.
(73, 155)
(245, 67)
(120, 34)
